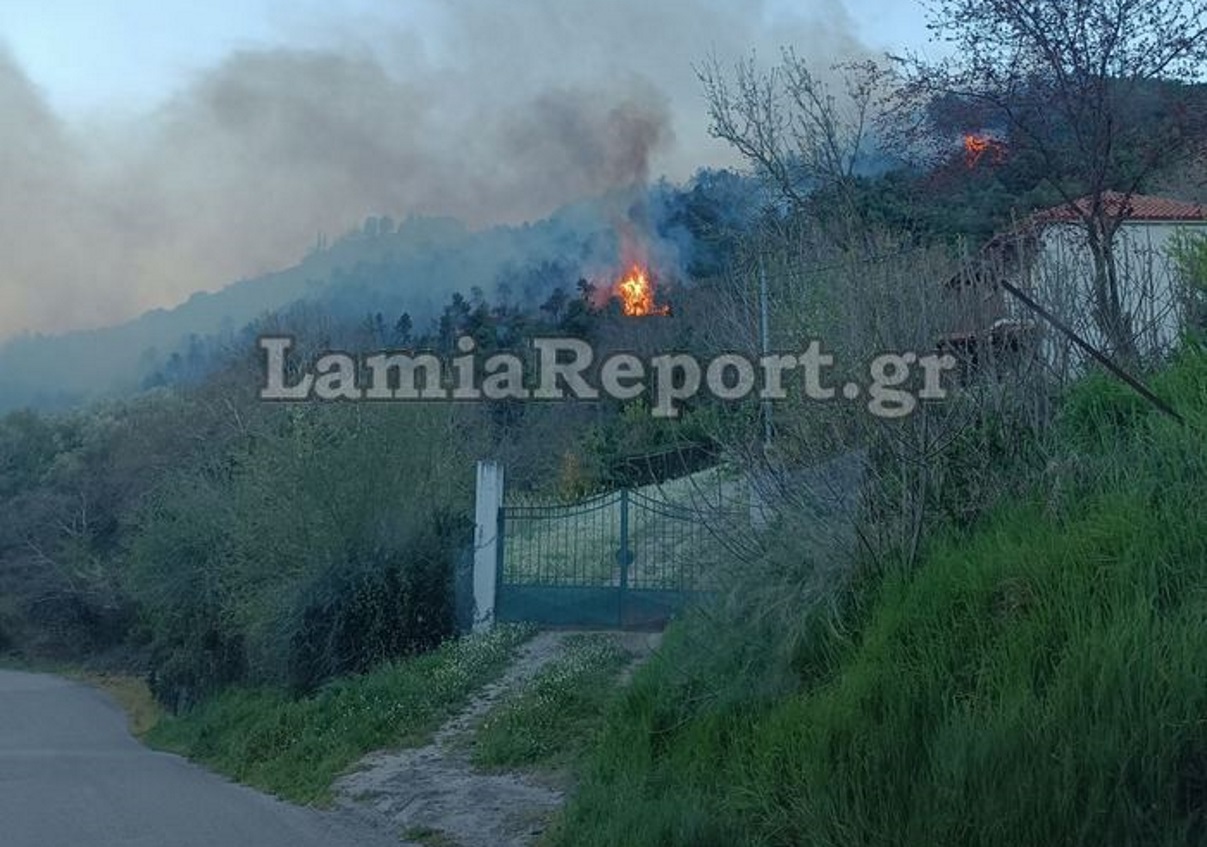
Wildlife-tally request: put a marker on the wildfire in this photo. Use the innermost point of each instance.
(976, 147)
(636, 295)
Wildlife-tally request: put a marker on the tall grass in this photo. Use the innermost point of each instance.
(296, 747)
(558, 712)
(1040, 680)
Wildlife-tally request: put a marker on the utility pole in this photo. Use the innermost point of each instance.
(765, 338)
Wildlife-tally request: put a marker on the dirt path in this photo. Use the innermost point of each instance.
(435, 789)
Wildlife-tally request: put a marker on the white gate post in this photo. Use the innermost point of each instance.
(486, 542)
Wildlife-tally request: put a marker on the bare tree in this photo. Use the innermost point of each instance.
(790, 123)
(842, 485)
(1098, 90)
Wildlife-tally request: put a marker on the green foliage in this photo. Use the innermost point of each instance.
(1099, 411)
(1190, 254)
(178, 572)
(28, 445)
(635, 448)
(375, 606)
(1041, 680)
(67, 484)
(996, 459)
(318, 549)
(558, 712)
(296, 747)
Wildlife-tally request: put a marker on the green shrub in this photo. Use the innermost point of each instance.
(1190, 255)
(380, 605)
(177, 568)
(318, 549)
(1099, 411)
(992, 461)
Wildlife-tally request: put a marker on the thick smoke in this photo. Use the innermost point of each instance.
(489, 112)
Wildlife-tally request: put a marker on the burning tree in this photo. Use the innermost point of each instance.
(636, 295)
(1080, 83)
(978, 146)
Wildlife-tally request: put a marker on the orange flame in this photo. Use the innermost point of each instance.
(636, 295)
(976, 146)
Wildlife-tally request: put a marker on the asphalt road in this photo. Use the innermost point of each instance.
(72, 776)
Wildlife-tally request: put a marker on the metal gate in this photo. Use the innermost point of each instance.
(622, 559)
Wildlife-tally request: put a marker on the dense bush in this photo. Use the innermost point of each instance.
(1099, 411)
(320, 547)
(64, 490)
(176, 570)
(1190, 254)
(375, 606)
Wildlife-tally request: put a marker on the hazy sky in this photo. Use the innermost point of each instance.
(152, 148)
(92, 55)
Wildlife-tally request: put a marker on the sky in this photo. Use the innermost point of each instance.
(97, 55)
(153, 148)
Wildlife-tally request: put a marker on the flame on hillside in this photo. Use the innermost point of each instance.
(636, 294)
(635, 286)
(977, 147)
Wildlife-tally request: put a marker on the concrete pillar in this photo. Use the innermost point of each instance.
(486, 542)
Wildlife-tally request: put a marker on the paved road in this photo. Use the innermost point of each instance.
(72, 776)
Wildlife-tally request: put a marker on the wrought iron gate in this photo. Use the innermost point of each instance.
(621, 559)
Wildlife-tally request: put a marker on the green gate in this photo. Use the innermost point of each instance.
(622, 559)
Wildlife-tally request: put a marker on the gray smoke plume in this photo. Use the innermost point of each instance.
(491, 112)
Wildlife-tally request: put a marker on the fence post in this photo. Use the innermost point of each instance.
(487, 542)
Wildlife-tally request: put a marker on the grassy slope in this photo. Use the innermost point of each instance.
(557, 713)
(1041, 682)
(296, 747)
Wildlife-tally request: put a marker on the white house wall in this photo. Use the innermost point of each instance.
(1063, 278)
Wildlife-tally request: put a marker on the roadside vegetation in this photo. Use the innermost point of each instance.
(295, 747)
(131, 693)
(555, 715)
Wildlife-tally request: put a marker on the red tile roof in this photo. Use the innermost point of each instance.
(1137, 207)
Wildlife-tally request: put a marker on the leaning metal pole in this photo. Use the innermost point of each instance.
(1100, 357)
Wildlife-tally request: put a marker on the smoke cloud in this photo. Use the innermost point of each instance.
(490, 112)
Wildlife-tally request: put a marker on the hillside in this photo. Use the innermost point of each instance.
(380, 267)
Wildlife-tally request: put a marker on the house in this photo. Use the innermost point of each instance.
(1048, 257)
